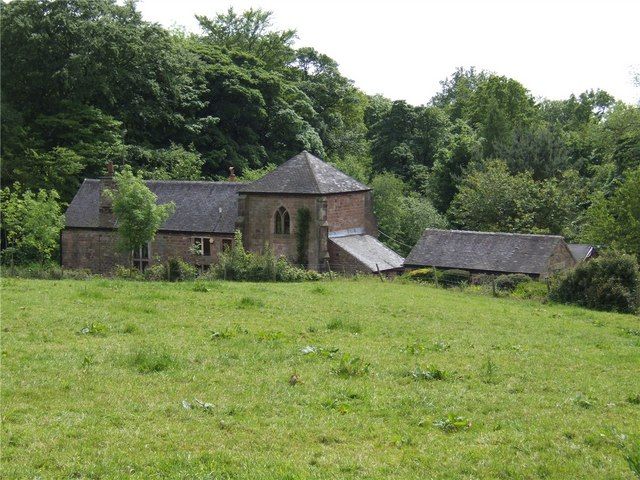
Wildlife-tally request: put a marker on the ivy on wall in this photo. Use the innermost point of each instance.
(303, 218)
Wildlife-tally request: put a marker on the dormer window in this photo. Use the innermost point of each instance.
(282, 222)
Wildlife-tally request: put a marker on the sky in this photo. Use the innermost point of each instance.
(402, 49)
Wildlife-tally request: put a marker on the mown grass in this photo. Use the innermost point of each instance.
(343, 379)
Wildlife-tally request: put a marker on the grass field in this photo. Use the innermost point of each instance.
(116, 379)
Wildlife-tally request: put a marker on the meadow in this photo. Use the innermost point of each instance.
(333, 379)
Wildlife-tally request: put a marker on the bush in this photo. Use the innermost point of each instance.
(156, 272)
(127, 273)
(610, 282)
(422, 275)
(454, 277)
(178, 270)
(511, 281)
(531, 290)
(48, 271)
(238, 264)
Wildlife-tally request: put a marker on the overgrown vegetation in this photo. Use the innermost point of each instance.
(610, 282)
(160, 363)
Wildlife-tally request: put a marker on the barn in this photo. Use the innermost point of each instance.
(491, 253)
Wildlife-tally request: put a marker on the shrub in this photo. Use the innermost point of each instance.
(156, 272)
(422, 275)
(178, 270)
(454, 277)
(128, 273)
(610, 282)
(511, 281)
(531, 290)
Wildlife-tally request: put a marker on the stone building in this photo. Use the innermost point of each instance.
(493, 253)
(335, 210)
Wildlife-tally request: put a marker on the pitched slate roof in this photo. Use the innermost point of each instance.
(580, 252)
(305, 174)
(495, 252)
(208, 207)
(369, 251)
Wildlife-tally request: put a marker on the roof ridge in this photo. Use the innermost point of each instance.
(307, 157)
(477, 232)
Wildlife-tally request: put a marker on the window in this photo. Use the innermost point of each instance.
(282, 222)
(202, 246)
(141, 257)
(226, 244)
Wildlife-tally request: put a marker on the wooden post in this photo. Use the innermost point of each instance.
(379, 274)
(435, 275)
(493, 285)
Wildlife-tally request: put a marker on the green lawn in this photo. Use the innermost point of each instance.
(548, 390)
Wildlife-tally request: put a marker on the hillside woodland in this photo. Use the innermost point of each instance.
(84, 82)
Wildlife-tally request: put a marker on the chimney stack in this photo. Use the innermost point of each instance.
(232, 175)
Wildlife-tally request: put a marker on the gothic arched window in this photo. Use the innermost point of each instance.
(282, 222)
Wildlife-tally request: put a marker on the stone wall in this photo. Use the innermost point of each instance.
(96, 250)
(351, 210)
(256, 221)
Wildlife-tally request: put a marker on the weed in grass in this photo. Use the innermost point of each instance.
(452, 423)
(151, 360)
(320, 289)
(634, 399)
(312, 329)
(488, 371)
(351, 326)
(269, 336)
(130, 328)
(430, 373)
(440, 346)
(97, 329)
(581, 400)
(250, 302)
(228, 332)
(87, 361)
(319, 351)
(342, 402)
(631, 332)
(415, 348)
(351, 366)
(629, 445)
(200, 287)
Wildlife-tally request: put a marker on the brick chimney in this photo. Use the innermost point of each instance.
(232, 175)
(107, 220)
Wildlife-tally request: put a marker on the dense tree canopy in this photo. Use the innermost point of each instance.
(87, 81)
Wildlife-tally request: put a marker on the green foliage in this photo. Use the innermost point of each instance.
(350, 366)
(303, 218)
(609, 282)
(174, 163)
(135, 209)
(431, 372)
(615, 221)
(32, 223)
(238, 264)
(151, 360)
(511, 281)
(454, 277)
(423, 274)
(177, 270)
(452, 423)
(401, 218)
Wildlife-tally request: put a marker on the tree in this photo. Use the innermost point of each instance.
(32, 223)
(175, 163)
(401, 217)
(491, 199)
(615, 221)
(137, 214)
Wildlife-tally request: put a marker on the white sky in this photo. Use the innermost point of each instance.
(403, 48)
